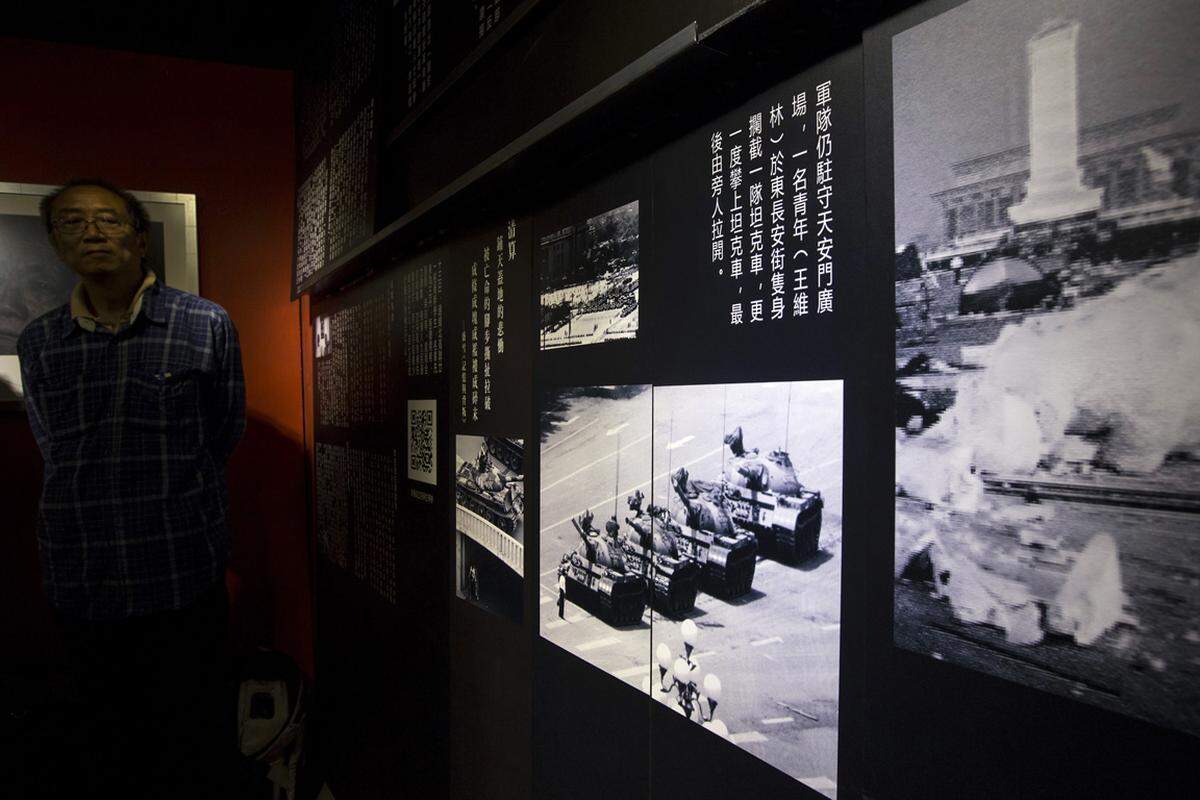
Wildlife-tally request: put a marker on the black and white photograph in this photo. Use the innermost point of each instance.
(753, 469)
(322, 334)
(32, 280)
(489, 521)
(703, 522)
(1047, 286)
(589, 280)
(595, 452)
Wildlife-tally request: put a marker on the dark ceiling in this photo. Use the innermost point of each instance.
(261, 33)
(265, 33)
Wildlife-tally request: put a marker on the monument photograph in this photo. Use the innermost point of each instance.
(1047, 290)
(589, 278)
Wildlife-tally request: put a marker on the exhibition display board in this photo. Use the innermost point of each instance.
(842, 444)
(338, 117)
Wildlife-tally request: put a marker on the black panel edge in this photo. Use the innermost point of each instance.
(431, 98)
(600, 96)
(741, 12)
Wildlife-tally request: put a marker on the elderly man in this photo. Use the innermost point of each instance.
(134, 393)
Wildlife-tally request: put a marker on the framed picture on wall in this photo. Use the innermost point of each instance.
(1044, 240)
(33, 280)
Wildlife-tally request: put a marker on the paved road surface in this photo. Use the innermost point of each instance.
(1147, 666)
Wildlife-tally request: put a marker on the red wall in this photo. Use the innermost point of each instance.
(225, 134)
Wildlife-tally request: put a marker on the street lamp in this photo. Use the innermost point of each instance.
(691, 694)
(711, 694)
(663, 655)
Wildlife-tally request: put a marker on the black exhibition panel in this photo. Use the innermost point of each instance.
(365, 532)
(579, 712)
(339, 86)
(539, 58)
(704, 331)
(488, 328)
(739, 398)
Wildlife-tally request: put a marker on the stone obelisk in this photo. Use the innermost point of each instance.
(1055, 189)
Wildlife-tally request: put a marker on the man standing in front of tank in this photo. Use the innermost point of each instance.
(135, 395)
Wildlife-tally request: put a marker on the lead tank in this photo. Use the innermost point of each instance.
(598, 577)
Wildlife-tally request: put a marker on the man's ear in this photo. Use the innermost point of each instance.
(143, 240)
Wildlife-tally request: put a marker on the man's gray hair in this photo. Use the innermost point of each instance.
(137, 211)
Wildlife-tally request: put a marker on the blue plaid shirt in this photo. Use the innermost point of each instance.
(135, 428)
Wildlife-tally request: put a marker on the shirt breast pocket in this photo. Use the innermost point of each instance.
(165, 402)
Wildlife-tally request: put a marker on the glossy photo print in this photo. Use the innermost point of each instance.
(489, 522)
(589, 275)
(691, 547)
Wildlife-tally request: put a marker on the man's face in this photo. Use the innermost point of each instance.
(92, 252)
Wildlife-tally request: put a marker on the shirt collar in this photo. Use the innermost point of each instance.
(145, 299)
(152, 306)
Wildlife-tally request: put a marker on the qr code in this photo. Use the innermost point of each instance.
(420, 453)
(422, 440)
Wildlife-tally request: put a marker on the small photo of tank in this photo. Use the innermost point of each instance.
(490, 522)
(492, 484)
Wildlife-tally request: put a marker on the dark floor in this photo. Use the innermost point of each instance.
(37, 747)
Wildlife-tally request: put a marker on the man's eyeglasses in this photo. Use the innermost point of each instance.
(73, 225)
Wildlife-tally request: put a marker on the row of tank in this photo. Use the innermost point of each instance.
(710, 542)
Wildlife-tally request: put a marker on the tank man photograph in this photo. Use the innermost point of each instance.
(657, 512)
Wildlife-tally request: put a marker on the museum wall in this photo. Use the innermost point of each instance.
(700, 399)
(507, 96)
(602, 509)
(225, 134)
(382, 582)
